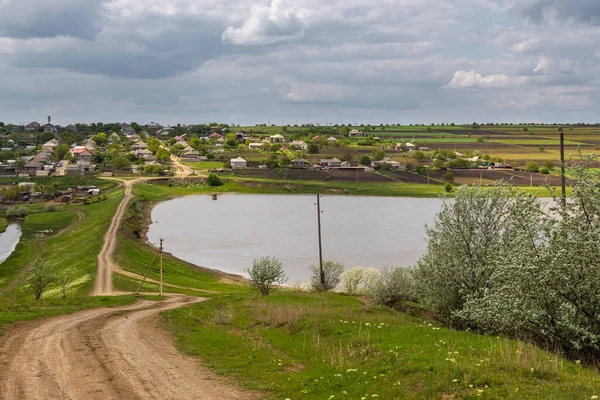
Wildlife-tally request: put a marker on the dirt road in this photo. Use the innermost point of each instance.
(103, 286)
(117, 353)
(182, 170)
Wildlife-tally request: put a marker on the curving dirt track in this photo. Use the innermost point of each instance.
(182, 170)
(106, 353)
(103, 286)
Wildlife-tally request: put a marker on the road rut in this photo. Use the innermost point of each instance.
(107, 353)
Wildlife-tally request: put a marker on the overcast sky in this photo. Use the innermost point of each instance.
(319, 61)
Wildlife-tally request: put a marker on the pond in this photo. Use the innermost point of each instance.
(9, 240)
(227, 234)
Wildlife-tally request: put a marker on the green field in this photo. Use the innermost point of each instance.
(300, 345)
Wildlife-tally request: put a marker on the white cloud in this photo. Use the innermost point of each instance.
(526, 47)
(472, 79)
(279, 22)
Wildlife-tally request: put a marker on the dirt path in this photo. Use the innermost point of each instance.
(182, 170)
(103, 286)
(117, 353)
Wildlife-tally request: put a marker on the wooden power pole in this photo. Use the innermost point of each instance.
(563, 178)
(321, 270)
(161, 266)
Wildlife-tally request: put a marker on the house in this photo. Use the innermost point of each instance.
(189, 152)
(32, 167)
(29, 148)
(179, 139)
(215, 135)
(50, 128)
(424, 148)
(84, 155)
(241, 136)
(139, 145)
(410, 146)
(277, 139)
(346, 164)
(355, 132)
(299, 144)
(32, 127)
(142, 153)
(393, 164)
(154, 126)
(331, 139)
(331, 163)
(77, 150)
(255, 146)
(238, 163)
(50, 144)
(300, 163)
(126, 129)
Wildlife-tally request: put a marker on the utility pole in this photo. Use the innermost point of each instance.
(322, 272)
(161, 266)
(563, 178)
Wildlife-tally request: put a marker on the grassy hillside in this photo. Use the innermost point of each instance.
(312, 346)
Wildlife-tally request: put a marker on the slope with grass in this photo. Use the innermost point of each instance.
(321, 346)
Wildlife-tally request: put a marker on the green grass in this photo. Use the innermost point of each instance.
(312, 346)
(3, 224)
(205, 164)
(47, 224)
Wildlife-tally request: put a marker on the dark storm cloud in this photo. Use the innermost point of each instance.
(50, 18)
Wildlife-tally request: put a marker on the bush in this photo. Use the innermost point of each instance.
(448, 187)
(214, 180)
(365, 160)
(49, 208)
(351, 280)
(544, 171)
(17, 212)
(448, 177)
(532, 166)
(266, 273)
(332, 274)
(391, 287)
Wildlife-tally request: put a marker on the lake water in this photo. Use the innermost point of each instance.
(9, 240)
(229, 233)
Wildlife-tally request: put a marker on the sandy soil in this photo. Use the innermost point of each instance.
(182, 170)
(117, 353)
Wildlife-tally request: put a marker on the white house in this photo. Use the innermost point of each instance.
(255, 146)
(238, 163)
(299, 144)
(331, 139)
(356, 132)
(277, 139)
(410, 146)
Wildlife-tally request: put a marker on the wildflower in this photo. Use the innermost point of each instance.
(454, 380)
(594, 397)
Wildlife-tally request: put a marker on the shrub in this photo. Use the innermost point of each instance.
(266, 272)
(365, 160)
(544, 171)
(49, 208)
(392, 287)
(214, 180)
(351, 279)
(448, 187)
(532, 166)
(332, 272)
(17, 212)
(448, 177)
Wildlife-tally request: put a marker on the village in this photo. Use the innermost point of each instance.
(392, 154)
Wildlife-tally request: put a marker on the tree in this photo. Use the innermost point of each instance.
(153, 145)
(40, 277)
(365, 160)
(120, 163)
(100, 139)
(418, 155)
(266, 273)
(332, 270)
(163, 155)
(351, 279)
(313, 148)
(532, 166)
(465, 244)
(378, 154)
(60, 151)
(64, 280)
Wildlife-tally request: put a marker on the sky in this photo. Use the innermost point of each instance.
(300, 61)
